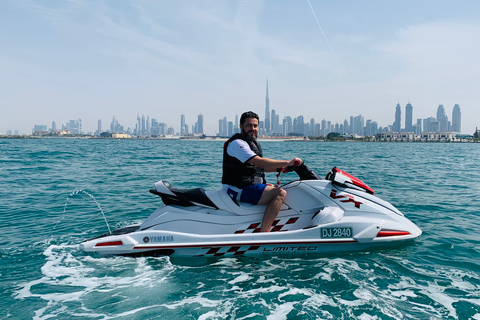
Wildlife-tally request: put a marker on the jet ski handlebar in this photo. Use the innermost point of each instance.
(296, 163)
(303, 172)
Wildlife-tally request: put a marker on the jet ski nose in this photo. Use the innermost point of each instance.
(409, 232)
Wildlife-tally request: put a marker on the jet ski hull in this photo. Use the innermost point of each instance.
(319, 216)
(347, 235)
(182, 245)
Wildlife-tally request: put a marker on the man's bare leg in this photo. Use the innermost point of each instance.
(273, 197)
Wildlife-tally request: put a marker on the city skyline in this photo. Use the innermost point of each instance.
(179, 129)
(298, 125)
(271, 125)
(92, 60)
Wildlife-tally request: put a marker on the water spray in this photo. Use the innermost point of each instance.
(92, 197)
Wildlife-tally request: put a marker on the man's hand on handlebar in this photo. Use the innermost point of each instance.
(291, 165)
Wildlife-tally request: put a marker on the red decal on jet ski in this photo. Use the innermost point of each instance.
(276, 226)
(292, 220)
(350, 198)
(220, 251)
(213, 250)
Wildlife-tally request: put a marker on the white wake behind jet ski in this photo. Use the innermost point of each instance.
(338, 213)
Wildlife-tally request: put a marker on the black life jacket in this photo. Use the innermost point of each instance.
(240, 174)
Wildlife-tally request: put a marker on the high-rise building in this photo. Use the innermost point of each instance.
(371, 128)
(312, 127)
(316, 130)
(417, 128)
(182, 125)
(273, 126)
(224, 127)
(138, 130)
(408, 117)
(54, 126)
(114, 126)
(299, 126)
(442, 119)
(431, 125)
(99, 128)
(147, 127)
(457, 119)
(398, 117)
(287, 125)
(359, 124)
(323, 127)
(275, 122)
(220, 127)
(267, 112)
(200, 124)
(346, 127)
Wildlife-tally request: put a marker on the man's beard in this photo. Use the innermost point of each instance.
(248, 137)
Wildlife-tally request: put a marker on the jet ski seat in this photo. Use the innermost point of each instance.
(181, 197)
(198, 196)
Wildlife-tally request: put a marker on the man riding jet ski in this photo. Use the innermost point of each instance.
(244, 170)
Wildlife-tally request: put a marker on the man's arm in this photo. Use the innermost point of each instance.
(271, 165)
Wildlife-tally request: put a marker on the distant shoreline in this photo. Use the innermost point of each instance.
(262, 139)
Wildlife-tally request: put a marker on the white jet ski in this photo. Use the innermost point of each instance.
(335, 214)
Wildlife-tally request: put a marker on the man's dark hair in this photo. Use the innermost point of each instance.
(248, 114)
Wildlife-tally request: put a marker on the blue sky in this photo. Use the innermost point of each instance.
(62, 60)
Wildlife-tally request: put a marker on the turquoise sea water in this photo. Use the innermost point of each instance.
(47, 207)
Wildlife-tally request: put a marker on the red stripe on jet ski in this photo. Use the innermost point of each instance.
(391, 233)
(111, 243)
